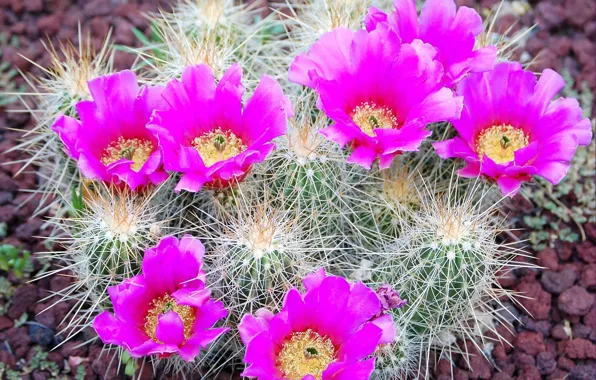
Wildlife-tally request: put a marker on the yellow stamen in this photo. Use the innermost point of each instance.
(369, 117)
(218, 145)
(162, 305)
(305, 353)
(136, 150)
(500, 142)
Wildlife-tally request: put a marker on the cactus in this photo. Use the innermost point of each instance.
(105, 239)
(252, 260)
(446, 263)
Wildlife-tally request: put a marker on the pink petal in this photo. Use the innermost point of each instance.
(170, 329)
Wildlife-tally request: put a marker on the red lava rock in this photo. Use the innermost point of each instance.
(558, 282)
(507, 279)
(530, 343)
(33, 5)
(45, 316)
(5, 323)
(502, 376)
(575, 301)
(523, 360)
(564, 250)
(558, 333)
(547, 258)
(549, 15)
(7, 214)
(588, 277)
(26, 297)
(529, 373)
(97, 8)
(534, 299)
(558, 375)
(74, 348)
(565, 363)
(50, 24)
(542, 327)
(8, 359)
(19, 338)
(583, 372)
(581, 331)
(579, 12)
(100, 26)
(7, 183)
(580, 349)
(590, 228)
(587, 252)
(561, 45)
(546, 363)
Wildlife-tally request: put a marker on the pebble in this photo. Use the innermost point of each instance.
(575, 301)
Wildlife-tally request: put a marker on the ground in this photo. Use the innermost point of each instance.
(557, 334)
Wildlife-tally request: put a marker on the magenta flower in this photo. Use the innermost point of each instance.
(451, 31)
(380, 93)
(207, 135)
(511, 129)
(111, 142)
(167, 309)
(329, 333)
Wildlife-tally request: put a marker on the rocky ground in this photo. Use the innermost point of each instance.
(557, 334)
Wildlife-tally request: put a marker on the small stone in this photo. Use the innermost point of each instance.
(50, 24)
(588, 276)
(41, 334)
(26, 298)
(530, 343)
(583, 372)
(546, 363)
(558, 332)
(565, 363)
(534, 299)
(529, 373)
(548, 258)
(33, 5)
(564, 250)
(542, 327)
(587, 252)
(580, 349)
(549, 15)
(581, 331)
(5, 323)
(575, 301)
(558, 282)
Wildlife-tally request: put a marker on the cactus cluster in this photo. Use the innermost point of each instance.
(266, 223)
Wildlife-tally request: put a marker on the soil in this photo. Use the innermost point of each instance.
(556, 332)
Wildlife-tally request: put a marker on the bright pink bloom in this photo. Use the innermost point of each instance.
(167, 309)
(207, 135)
(451, 31)
(511, 129)
(328, 333)
(380, 93)
(111, 142)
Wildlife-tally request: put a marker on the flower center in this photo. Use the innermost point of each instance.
(305, 353)
(162, 305)
(500, 143)
(136, 150)
(217, 145)
(369, 117)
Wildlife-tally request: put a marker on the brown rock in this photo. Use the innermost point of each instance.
(580, 349)
(5, 323)
(546, 363)
(26, 299)
(587, 252)
(547, 258)
(529, 373)
(530, 343)
(534, 299)
(588, 277)
(558, 282)
(575, 301)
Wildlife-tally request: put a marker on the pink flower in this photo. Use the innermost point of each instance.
(328, 333)
(167, 309)
(207, 135)
(452, 33)
(111, 142)
(380, 93)
(511, 129)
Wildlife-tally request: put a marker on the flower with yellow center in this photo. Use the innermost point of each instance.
(305, 353)
(500, 142)
(369, 116)
(136, 150)
(162, 305)
(217, 145)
